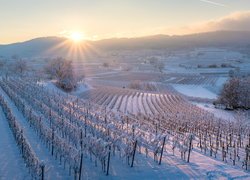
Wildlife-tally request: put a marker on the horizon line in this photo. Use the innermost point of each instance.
(131, 37)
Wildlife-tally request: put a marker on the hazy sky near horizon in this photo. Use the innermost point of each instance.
(98, 19)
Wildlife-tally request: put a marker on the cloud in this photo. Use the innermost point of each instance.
(238, 21)
(213, 3)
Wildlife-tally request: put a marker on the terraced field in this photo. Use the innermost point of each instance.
(133, 101)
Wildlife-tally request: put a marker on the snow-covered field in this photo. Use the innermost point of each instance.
(128, 102)
(220, 113)
(104, 127)
(195, 91)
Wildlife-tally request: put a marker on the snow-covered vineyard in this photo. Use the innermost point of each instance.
(112, 133)
(132, 101)
(125, 90)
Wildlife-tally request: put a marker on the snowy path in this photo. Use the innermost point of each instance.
(12, 165)
(52, 168)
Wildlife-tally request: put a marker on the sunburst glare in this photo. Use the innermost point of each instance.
(76, 36)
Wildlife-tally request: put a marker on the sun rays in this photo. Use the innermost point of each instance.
(75, 48)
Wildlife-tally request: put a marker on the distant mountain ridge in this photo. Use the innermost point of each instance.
(55, 46)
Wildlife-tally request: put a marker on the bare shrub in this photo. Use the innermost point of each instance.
(235, 93)
(62, 70)
(135, 85)
(20, 66)
(212, 66)
(106, 64)
(138, 85)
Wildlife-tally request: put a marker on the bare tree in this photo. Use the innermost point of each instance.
(106, 64)
(135, 85)
(160, 66)
(152, 60)
(62, 70)
(235, 93)
(157, 63)
(20, 66)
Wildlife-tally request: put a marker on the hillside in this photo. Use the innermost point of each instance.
(58, 46)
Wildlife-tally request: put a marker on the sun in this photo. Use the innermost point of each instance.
(76, 36)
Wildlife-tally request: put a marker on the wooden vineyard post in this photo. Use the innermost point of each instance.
(42, 169)
(108, 160)
(52, 147)
(156, 129)
(230, 140)
(127, 123)
(70, 112)
(222, 152)
(247, 155)
(80, 169)
(205, 142)
(191, 136)
(217, 141)
(162, 149)
(200, 141)
(234, 154)
(105, 114)
(81, 141)
(132, 164)
(85, 126)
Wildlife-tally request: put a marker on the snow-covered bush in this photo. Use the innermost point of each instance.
(20, 67)
(138, 85)
(135, 85)
(62, 70)
(235, 93)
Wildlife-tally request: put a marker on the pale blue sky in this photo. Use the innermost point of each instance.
(25, 19)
